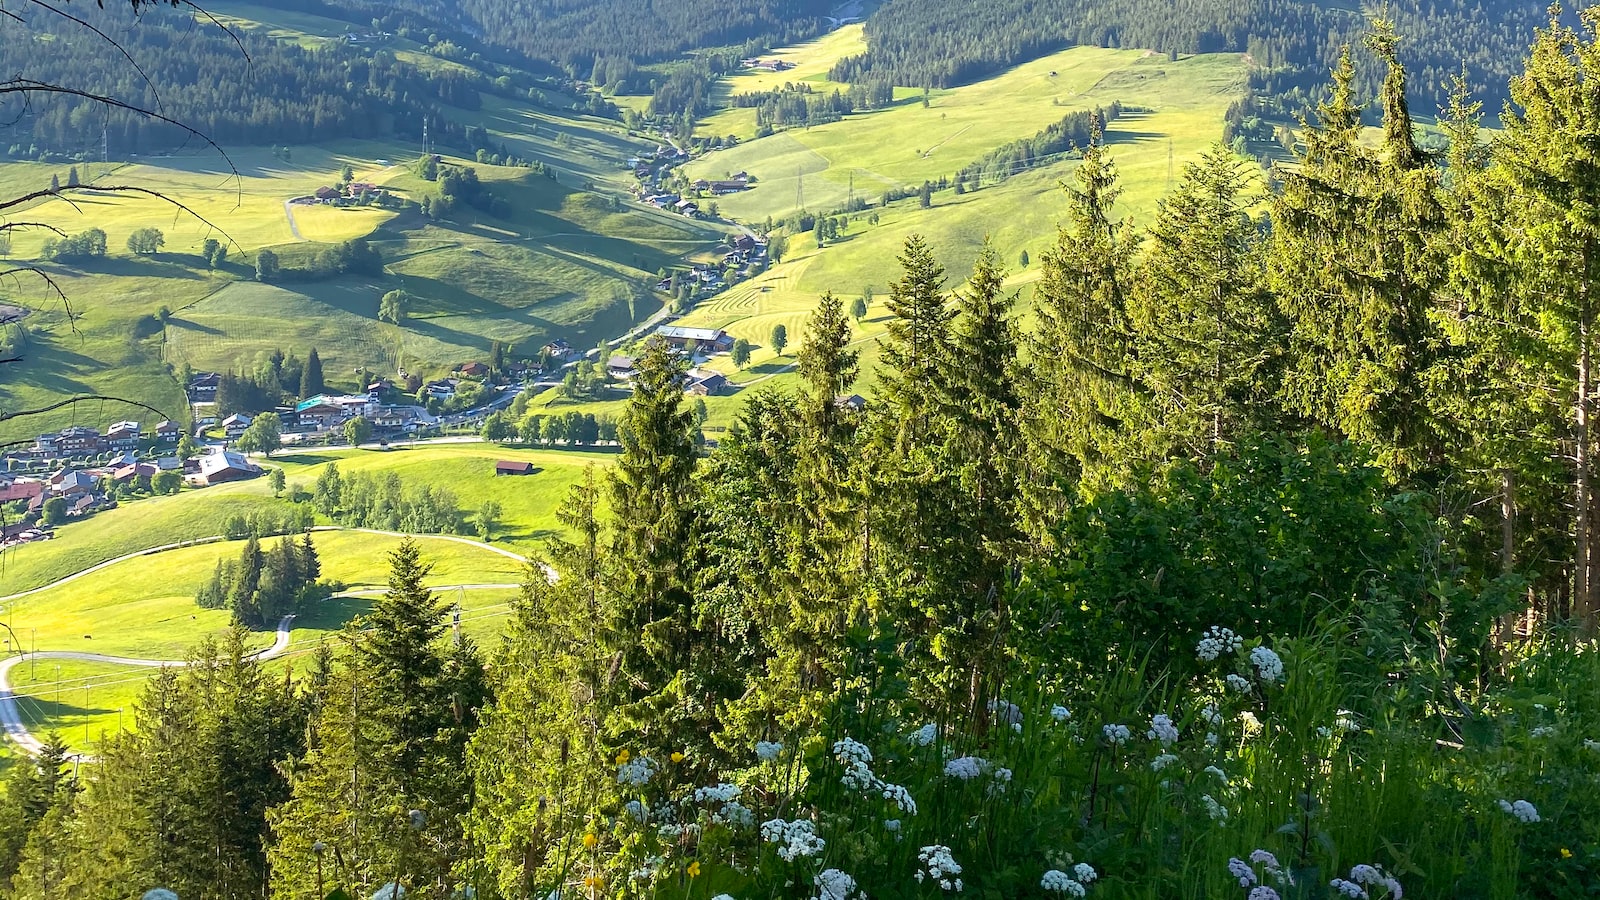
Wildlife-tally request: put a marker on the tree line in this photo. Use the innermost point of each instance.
(262, 586)
(383, 502)
(1075, 130)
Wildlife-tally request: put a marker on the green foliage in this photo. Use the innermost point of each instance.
(263, 435)
(145, 241)
(779, 338)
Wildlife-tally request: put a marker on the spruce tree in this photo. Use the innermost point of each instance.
(1207, 333)
(311, 383)
(1083, 390)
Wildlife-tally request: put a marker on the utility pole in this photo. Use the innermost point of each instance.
(799, 189)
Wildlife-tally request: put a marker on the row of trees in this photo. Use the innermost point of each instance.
(362, 500)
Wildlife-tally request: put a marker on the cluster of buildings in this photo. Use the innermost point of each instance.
(766, 65)
(691, 342)
(342, 195)
(739, 262)
(81, 440)
(89, 489)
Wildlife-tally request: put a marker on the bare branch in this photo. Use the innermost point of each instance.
(61, 193)
(8, 226)
(81, 398)
(108, 39)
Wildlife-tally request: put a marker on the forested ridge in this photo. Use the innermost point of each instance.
(1292, 43)
(1261, 563)
(234, 87)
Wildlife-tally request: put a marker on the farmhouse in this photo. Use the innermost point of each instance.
(854, 402)
(403, 418)
(168, 431)
(710, 340)
(473, 369)
(77, 439)
(509, 467)
(619, 366)
(202, 388)
(21, 490)
(705, 383)
(225, 465)
(719, 188)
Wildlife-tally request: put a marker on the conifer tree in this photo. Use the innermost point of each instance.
(1207, 334)
(1083, 388)
(652, 504)
(916, 346)
(311, 383)
(1547, 168)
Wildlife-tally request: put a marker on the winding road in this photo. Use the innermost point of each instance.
(11, 712)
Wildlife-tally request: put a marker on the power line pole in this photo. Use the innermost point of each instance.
(799, 189)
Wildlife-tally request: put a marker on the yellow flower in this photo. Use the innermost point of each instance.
(1565, 853)
(622, 756)
(694, 869)
(594, 881)
(590, 840)
(677, 757)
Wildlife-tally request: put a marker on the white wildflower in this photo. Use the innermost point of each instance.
(1212, 739)
(1263, 893)
(1264, 857)
(1005, 711)
(389, 891)
(723, 897)
(1346, 720)
(891, 825)
(966, 768)
(159, 894)
(736, 814)
(1241, 870)
(1060, 713)
(1116, 735)
(1348, 889)
(1268, 666)
(1393, 886)
(833, 884)
(1216, 642)
(856, 759)
(795, 839)
(1215, 810)
(1162, 729)
(767, 751)
(1365, 874)
(1059, 882)
(1221, 775)
(637, 771)
(1002, 780)
(1542, 731)
(1591, 745)
(900, 797)
(638, 811)
(1085, 872)
(1211, 715)
(939, 867)
(647, 871)
(1522, 809)
(923, 736)
(1162, 761)
(722, 793)
(1239, 683)
(1251, 723)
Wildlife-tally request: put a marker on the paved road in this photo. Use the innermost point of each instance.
(11, 713)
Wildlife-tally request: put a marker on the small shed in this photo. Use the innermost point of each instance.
(509, 467)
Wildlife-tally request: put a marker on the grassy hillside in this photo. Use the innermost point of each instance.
(569, 259)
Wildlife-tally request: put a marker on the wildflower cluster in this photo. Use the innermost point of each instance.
(966, 768)
(833, 884)
(767, 751)
(1269, 667)
(1217, 642)
(935, 864)
(1522, 809)
(1070, 883)
(635, 772)
(857, 762)
(1368, 883)
(1116, 735)
(1162, 730)
(795, 839)
(923, 736)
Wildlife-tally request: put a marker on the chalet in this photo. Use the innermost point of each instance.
(473, 369)
(124, 435)
(224, 465)
(168, 464)
(379, 388)
(403, 418)
(718, 188)
(202, 388)
(518, 370)
(709, 340)
(704, 383)
(744, 243)
(86, 504)
(621, 367)
(509, 467)
(327, 194)
(700, 184)
(168, 431)
(234, 425)
(357, 188)
(557, 349)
